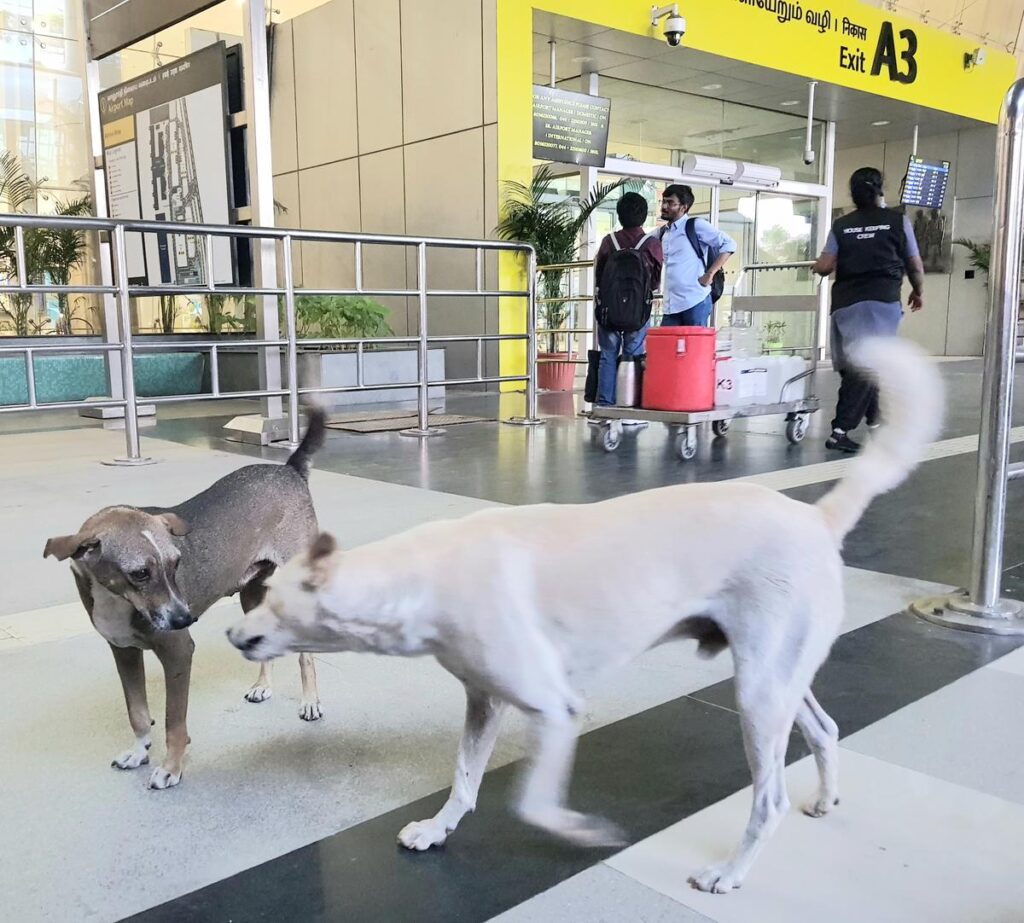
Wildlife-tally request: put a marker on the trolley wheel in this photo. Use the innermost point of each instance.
(686, 443)
(612, 436)
(796, 429)
(720, 427)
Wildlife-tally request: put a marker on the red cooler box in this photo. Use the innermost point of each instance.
(680, 373)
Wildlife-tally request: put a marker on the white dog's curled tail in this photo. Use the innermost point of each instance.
(911, 398)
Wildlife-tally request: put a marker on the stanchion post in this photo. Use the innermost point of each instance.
(293, 346)
(423, 427)
(979, 608)
(124, 314)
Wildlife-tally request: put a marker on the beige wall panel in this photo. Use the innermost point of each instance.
(284, 140)
(330, 201)
(441, 67)
(325, 84)
(379, 69)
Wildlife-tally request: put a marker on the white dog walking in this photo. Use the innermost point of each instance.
(511, 602)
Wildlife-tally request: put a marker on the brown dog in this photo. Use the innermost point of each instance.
(146, 574)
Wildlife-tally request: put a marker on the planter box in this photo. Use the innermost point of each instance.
(77, 378)
(239, 372)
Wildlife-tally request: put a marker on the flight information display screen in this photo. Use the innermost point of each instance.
(926, 182)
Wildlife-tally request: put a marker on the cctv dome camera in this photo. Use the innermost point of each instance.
(675, 29)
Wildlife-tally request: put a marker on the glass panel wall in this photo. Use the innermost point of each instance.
(659, 125)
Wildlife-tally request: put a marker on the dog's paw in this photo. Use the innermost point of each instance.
(585, 830)
(311, 711)
(716, 879)
(422, 834)
(134, 758)
(163, 778)
(821, 806)
(258, 693)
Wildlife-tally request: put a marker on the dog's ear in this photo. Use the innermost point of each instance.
(63, 547)
(175, 524)
(324, 545)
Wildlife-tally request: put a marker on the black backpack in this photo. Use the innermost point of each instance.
(718, 279)
(624, 292)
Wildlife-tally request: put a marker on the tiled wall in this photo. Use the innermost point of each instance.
(953, 320)
(384, 121)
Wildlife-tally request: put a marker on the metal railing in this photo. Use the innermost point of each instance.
(124, 291)
(580, 318)
(979, 608)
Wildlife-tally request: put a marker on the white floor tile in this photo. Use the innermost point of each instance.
(901, 847)
(601, 895)
(1011, 663)
(960, 734)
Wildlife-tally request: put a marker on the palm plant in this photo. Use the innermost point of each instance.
(980, 253)
(17, 190)
(50, 253)
(552, 226)
(64, 250)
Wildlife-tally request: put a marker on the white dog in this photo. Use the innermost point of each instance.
(521, 604)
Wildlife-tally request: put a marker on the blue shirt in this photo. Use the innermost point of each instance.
(682, 265)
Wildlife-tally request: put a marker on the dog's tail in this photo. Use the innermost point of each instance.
(302, 458)
(912, 402)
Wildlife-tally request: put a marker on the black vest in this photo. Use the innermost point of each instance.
(872, 256)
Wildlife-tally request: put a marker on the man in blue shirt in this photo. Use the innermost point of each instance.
(687, 288)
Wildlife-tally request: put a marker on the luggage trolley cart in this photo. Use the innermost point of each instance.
(796, 410)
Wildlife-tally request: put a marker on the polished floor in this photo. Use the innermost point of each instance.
(276, 819)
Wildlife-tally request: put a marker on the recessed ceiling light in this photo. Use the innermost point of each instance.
(790, 102)
(880, 123)
(712, 86)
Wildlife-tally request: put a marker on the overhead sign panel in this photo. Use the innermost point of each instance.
(570, 127)
(114, 24)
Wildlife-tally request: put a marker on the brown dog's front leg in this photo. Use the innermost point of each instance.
(174, 649)
(132, 671)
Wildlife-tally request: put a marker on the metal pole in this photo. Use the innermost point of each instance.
(270, 427)
(1000, 349)
(124, 305)
(293, 346)
(981, 609)
(422, 427)
(553, 62)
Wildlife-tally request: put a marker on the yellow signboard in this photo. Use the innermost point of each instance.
(120, 132)
(854, 45)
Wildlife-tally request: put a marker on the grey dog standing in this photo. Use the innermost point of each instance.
(146, 573)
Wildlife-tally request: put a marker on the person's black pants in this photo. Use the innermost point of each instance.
(858, 399)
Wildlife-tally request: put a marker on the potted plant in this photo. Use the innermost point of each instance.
(979, 254)
(774, 334)
(339, 317)
(357, 317)
(51, 254)
(534, 215)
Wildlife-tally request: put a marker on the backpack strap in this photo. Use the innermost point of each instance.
(615, 242)
(642, 241)
(691, 236)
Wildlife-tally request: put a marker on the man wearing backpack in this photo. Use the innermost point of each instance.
(627, 272)
(695, 253)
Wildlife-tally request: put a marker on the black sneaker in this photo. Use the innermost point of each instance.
(842, 443)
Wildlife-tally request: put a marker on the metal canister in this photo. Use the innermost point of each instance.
(629, 381)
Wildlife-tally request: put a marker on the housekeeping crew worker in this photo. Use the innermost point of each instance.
(869, 250)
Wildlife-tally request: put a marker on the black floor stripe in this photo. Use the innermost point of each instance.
(645, 772)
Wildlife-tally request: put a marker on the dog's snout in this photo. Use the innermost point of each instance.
(252, 643)
(243, 643)
(180, 618)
